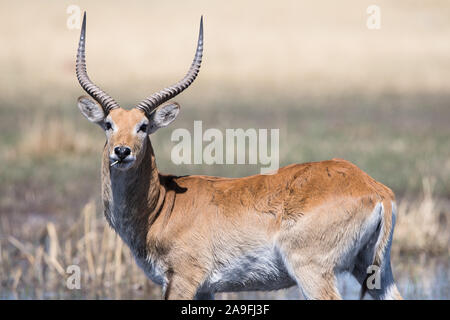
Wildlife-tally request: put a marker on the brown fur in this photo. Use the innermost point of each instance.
(193, 225)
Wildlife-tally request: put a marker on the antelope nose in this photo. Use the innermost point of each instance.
(122, 152)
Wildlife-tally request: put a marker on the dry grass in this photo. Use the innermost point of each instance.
(51, 137)
(252, 48)
(423, 225)
(39, 262)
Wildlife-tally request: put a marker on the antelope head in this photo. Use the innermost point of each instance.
(127, 130)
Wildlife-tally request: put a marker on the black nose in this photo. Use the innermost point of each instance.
(122, 152)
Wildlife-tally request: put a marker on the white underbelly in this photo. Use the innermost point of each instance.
(261, 269)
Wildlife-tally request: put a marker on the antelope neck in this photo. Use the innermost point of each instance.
(132, 198)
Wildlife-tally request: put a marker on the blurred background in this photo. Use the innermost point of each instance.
(334, 88)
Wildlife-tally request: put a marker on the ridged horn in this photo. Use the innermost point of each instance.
(152, 102)
(95, 92)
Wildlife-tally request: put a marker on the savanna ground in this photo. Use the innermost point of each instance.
(379, 98)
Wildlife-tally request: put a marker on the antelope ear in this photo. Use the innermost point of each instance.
(91, 110)
(163, 116)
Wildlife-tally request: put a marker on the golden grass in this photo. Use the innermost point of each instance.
(252, 48)
(423, 225)
(52, 137)
(41, 261)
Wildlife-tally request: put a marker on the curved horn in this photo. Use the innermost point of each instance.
(95, 92)
(149, 104)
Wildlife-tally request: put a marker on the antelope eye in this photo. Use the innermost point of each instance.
(108, 125)
(143, 127)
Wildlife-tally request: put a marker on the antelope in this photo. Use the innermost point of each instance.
(198, 235)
